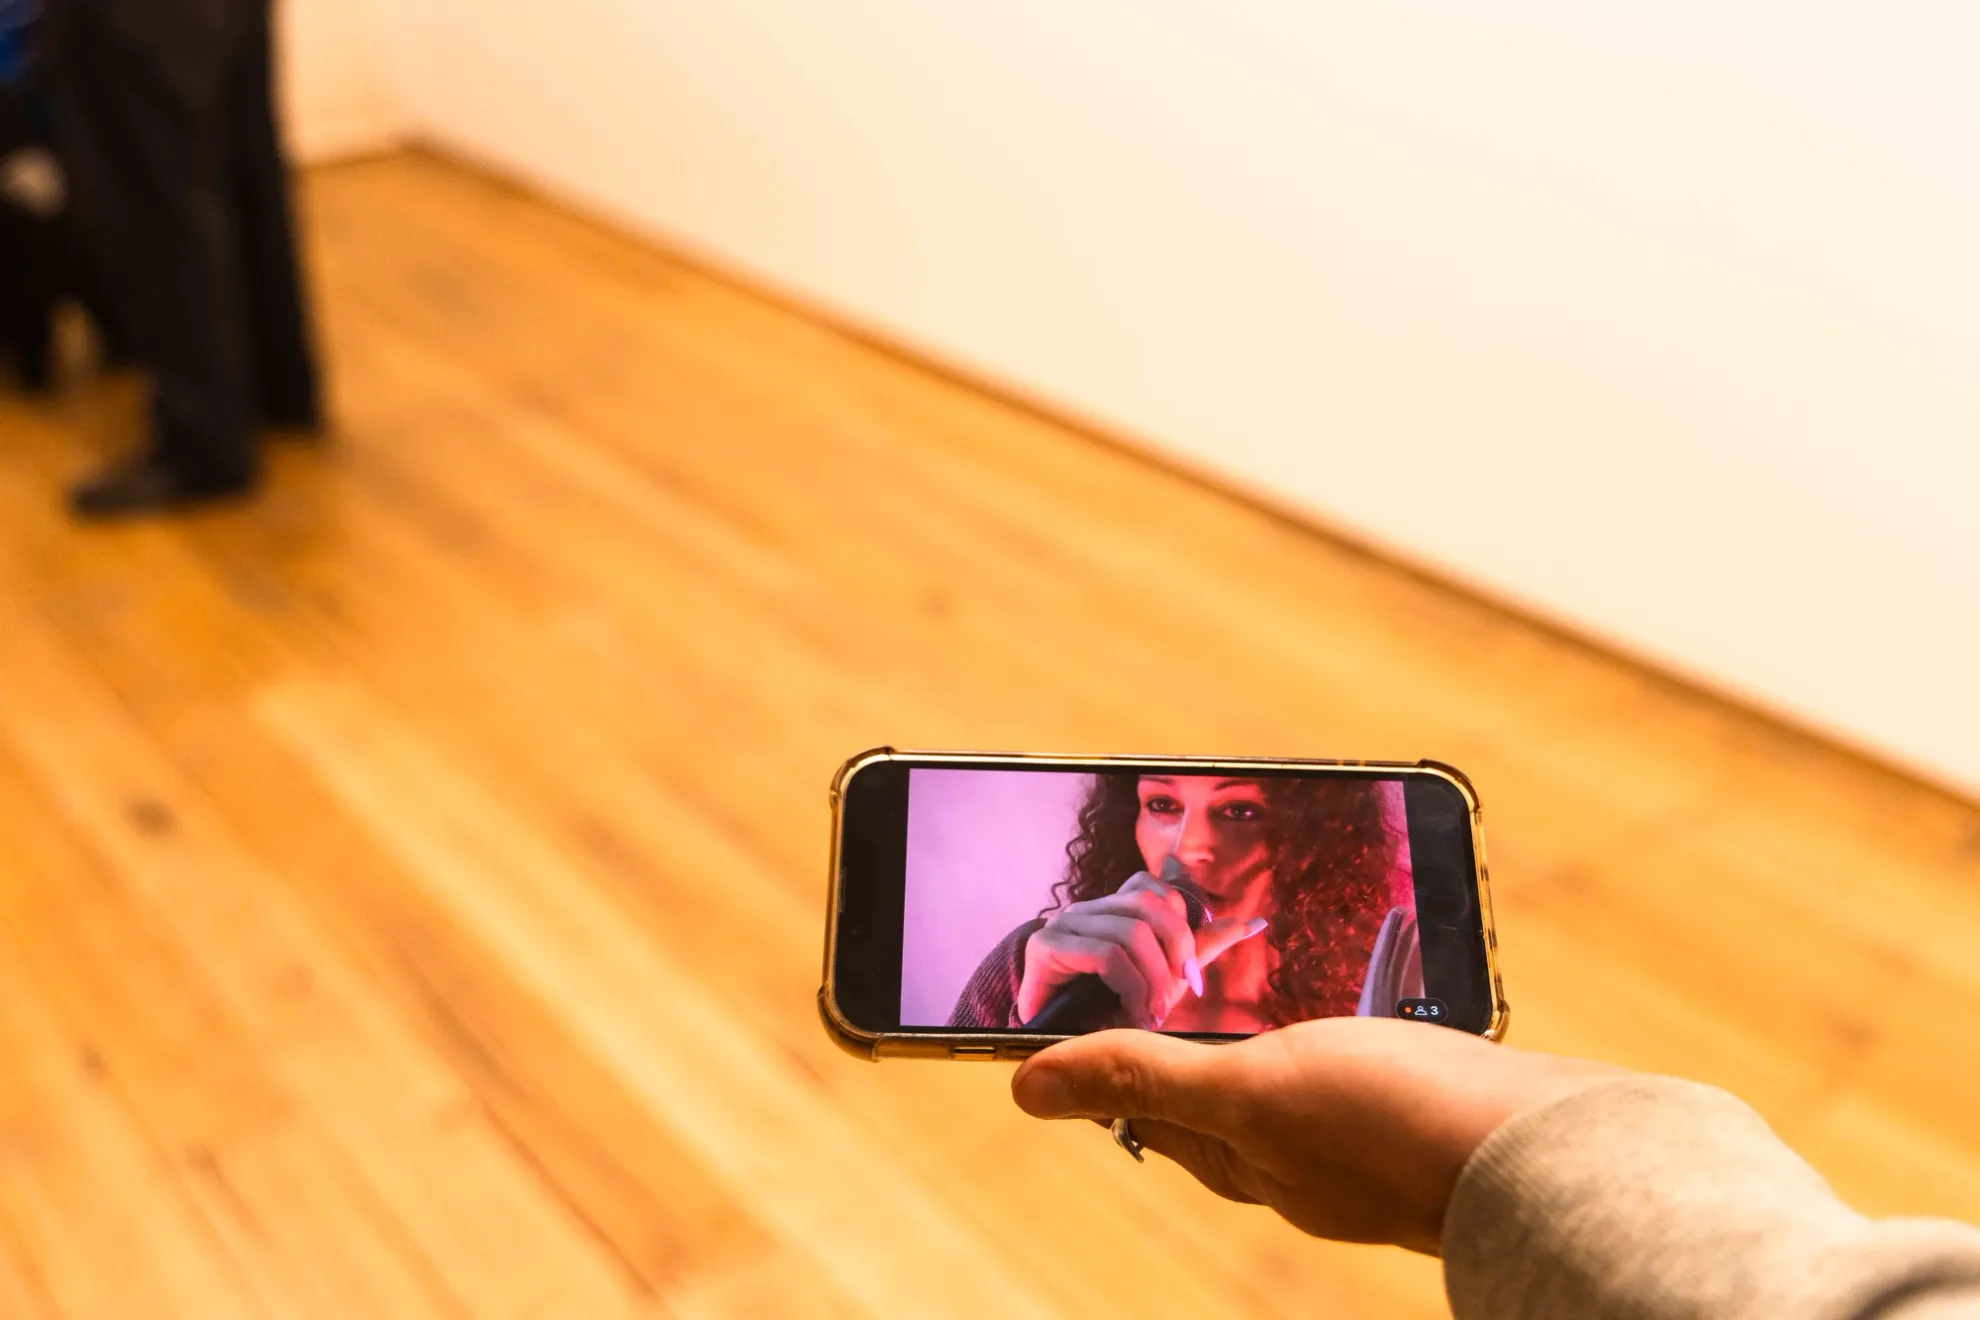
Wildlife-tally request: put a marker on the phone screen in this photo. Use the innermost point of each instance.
(1209, 903)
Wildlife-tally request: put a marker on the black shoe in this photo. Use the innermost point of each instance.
(301, 428)
(37, 376)
(149, 484)
(290, 401)
(297, 420)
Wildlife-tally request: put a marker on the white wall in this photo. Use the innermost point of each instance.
(338, 93)
(1662, 316)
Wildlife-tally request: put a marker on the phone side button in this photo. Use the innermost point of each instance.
(972, 1051)
(1021, 1051)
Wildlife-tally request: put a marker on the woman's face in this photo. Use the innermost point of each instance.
(1216, 827)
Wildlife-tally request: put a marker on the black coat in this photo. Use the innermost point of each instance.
(43, 260)
(169, 116)
(186, 46)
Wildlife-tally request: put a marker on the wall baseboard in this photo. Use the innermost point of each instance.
(1277, 505)
(323, 140)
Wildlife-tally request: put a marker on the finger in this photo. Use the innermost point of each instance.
(1143, 882)
(1064, 955)
(1216, 939)
(1138, 938)
(1164, 910)
(1210, 1161)
(1131, 1074)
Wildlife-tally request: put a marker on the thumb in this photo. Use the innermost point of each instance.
(1126, 1074)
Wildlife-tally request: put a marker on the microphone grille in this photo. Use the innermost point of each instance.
(1195, 900)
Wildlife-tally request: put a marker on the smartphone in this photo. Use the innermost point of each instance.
(984, 905)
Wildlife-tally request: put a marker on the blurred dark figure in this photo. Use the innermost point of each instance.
(169, 113)
(43, 262)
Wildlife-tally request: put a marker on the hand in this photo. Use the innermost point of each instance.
(1350, 1128)
(1137, 940)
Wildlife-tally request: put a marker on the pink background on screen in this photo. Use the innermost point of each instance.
(984, 849)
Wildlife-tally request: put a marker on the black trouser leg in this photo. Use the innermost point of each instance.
(113, 335)
(154, 169)
(283, 355)
(34, 345)
(24, 327)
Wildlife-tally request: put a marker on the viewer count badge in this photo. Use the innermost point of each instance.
(1423, 1010)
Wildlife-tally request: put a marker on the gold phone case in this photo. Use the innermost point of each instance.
(982, 1045)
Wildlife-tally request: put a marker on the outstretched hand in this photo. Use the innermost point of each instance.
(1351, 1128)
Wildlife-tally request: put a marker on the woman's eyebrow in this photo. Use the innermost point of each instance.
(1170, 780)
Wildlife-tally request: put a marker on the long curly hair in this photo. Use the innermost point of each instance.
(1330, 856)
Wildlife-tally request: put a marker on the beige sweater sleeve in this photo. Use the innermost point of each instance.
(1652, 1199)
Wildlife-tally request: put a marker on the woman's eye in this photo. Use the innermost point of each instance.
(1162, 806)
(1241, 811)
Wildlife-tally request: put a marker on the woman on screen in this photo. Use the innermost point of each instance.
(1308, 914)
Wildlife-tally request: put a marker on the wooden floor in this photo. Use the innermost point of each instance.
(411, 887)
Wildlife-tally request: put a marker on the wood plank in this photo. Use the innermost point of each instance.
(84, 1195)
(419, 1137)
(550, 1099)
(245, 1153)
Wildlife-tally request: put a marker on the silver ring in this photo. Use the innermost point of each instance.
(1124, 1138)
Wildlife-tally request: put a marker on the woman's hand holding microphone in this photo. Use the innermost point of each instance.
(1137, 940)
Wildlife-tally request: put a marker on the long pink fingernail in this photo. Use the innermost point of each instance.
(1193, 973)
(1255, 925)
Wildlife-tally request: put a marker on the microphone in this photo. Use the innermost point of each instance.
(1086, 1003)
